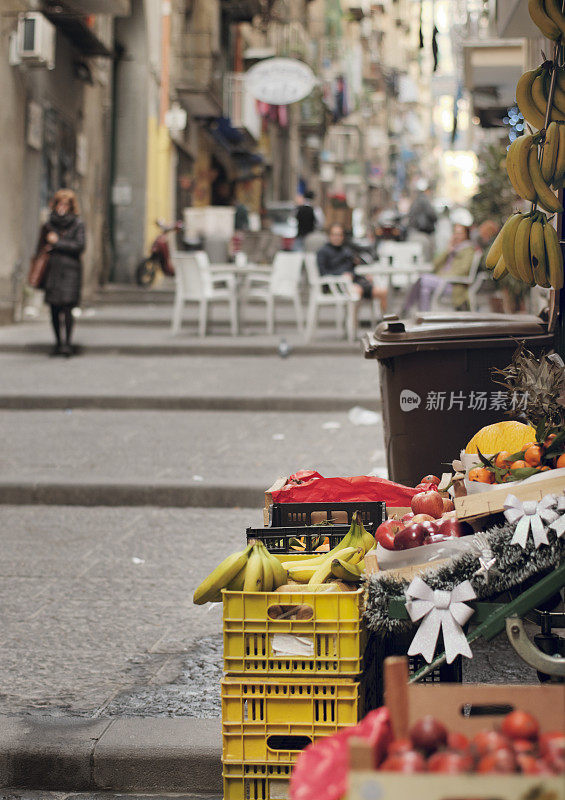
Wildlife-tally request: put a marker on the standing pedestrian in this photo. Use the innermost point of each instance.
(63, 237)
(422, 219)
(305, 218)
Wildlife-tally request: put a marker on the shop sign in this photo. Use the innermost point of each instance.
(280, 81)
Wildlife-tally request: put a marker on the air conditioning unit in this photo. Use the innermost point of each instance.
(34, 41)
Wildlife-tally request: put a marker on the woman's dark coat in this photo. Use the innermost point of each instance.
(63, 277)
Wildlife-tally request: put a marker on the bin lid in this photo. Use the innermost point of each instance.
(396, 337)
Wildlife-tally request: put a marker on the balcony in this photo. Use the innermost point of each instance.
(239, 106)
(492, 69)
(313, 114)
(199, 76)
(90, 34)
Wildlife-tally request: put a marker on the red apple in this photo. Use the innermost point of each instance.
(450, 763)
(399, 746)
(523, 746)
(430, 479)
(407, 762)
(409, 537)
(387, 531)
(500, 761)
(447, 504)
(407, 517)
(421, 518)
(530, 765)
(435, 538)
(426, 487)
(428, 734)
(427, 503)
(454, 528)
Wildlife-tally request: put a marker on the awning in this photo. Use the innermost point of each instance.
(492, 70)
(76, 28)
(231, 148)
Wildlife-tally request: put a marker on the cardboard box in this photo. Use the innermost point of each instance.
(492, 502)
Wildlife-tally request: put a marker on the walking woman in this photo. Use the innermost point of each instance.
(64, 239)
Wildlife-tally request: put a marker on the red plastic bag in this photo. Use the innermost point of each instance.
(311, 487)
(320, 772)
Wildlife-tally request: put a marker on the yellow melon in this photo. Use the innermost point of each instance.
(508, 435)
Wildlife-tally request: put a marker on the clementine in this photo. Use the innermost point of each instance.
(532, 455)
(481, 474)
(518, 465)
(560, 461)
(549, 440)
(502, 459)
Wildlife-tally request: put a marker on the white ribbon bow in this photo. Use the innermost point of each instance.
(559, 524)
(530, 515)
(439, 610)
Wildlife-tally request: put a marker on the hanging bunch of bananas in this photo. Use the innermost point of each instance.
(528, 249)
(251, 570)
(344, 562)
(546, 14)
(532, 180)
(532, 94)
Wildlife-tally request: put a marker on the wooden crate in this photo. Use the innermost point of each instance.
(485, 503)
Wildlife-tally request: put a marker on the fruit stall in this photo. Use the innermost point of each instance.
(352, 574)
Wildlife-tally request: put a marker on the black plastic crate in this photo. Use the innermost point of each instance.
(278, 540)
(397, 645)
(300, 514)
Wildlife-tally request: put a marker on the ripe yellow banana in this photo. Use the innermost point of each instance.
(219, 578)
(540, 96)
(508, 240)
(525, 100)
(254, 572)
(500, 269)
(268, 574)
(537, 252)
(345, 571)
(559, 98)
(553, 10)
(543, 20)
(546, 198)
(494, 254)
(560, 165)
(554, 256)
(550, 149)
(522, 250)
(236, 584)
(521, 148)
(280, 575)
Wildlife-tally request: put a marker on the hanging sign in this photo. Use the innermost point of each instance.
(280, 81)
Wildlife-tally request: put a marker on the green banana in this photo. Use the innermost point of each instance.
(219, 578)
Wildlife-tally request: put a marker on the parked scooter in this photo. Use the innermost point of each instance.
(160, 257)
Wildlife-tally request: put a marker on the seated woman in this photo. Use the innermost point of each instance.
(455, 262)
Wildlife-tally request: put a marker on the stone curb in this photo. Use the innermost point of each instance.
(192, 349)
(127, 754)
(202, 403)
(174, 495)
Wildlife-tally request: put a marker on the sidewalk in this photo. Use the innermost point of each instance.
(126, 475)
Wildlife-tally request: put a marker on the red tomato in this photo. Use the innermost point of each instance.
(488, 741)
(457, 742)
(450, 763)
(520, 725)
(428, 734)
(523, 746)
(501, 761)
(530, 765)
(552, 742)
(399, 746)
(407, 762)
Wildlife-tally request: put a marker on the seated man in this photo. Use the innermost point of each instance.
(336, 258)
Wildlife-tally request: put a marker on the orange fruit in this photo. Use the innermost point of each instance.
(518, 465)
(560, 461)
(481, 474)
(502, 459)
(544, 469)
(532, 455)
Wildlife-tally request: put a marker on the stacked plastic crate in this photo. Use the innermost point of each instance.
(289, 681)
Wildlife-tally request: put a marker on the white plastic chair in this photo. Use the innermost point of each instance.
(196, 282)
(330, 290)
(473, 280)
(403, 256)
(282, 283)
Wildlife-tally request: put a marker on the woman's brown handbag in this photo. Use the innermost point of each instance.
(37, 269)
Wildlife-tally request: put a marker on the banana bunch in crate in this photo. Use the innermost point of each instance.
(528, 249)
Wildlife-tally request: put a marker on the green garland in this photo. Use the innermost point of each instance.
(515, 566)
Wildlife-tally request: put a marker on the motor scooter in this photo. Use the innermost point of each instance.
(160, 257)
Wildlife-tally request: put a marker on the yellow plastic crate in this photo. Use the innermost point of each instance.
(272, 721)
(256, 781)
(332, 642)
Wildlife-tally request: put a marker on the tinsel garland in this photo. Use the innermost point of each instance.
(514, 566)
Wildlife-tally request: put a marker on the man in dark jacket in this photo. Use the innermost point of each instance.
(336, 258)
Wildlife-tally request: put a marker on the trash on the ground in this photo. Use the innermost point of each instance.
(284, 349)
(363, 416)
(197, 478)
(136, 560)
(77, 312)
(68, 411)
(331, 425)
(278, 437)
